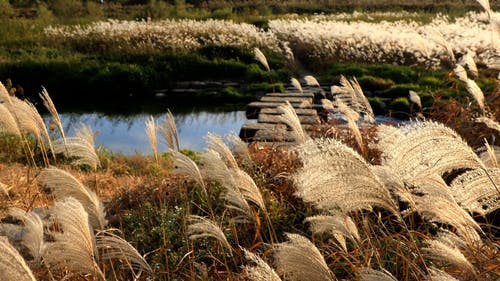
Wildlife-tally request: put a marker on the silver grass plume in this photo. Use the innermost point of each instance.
(340, 225)
(113, 247)
(387, 137)
(200, 227)
(477, 191)
(435, 203)
(12, 265)
(78, 148)
(259, 56)
(361, 101)
(47, 102)
(490, 123)
(8, 124)
(32, 237)
(467, 60)
(370, 274)
(394, 184)
(424, 148)
(86, 133)
(168, 131)
(438, 37)
(490, 156)
(311, 81)
(289, 117)
(335, 176)
(215, 143)
(486, 6)
(185, 166)
(299, 259)
(62, 184)
(151, 132)
(476, 93)
(296, 84)
(74, 247)
(4, 94)
(235, 200)
(441, 251)
(415, 98)
(240, 148)
(436, 274)
(352, 116)
(261, 271)
(460, 72)
(28, 119)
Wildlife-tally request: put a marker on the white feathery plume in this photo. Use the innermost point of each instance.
(440, 251)
(261, 271)
(491, 155)
(113, 247)
(259, 56)
(12, 265)
(335, 176)
(78, 148)
(352, 116)
(215, 143)
(415, 98)
(340, 225)
(436, 274)
(490, 123)
(184, 165)
(299, 259)
(8, 124)
(169, 131)
(486, 6)
(32, 237)
(4, 94)
(370, 274)
(475, 92)
(200, 227)
(151, 132)
(240, 148)
(62, 184)
(435, 203)
(74, 246)
(296, 84)
(467, 60)
(86, 133)
(424, 148)
(236, 190)
(47, 102)
(438, 37)
(394, 184)
(311, 81)
(477, 191)
(460, 72)
(289, 117)
(361, 101)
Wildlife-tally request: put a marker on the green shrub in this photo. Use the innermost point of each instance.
(263, 88)
(95, 10)
(377, 105)
(156, 9)
(401, 90)
(430, 82)
(372, 83)
(6, 10)
(66, 8)
(43, 13)
(399, 105)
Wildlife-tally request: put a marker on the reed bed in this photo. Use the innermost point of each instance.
(337, 38)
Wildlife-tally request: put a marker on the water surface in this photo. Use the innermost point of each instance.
(125, 133)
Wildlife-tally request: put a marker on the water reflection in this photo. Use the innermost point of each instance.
(125, 133)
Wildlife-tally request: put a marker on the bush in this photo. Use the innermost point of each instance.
(372, 83)
(66, 8)
(430, 82)
(397, 91)
(263, 88)
(6, 10)
(377, 105)
(398, 106)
